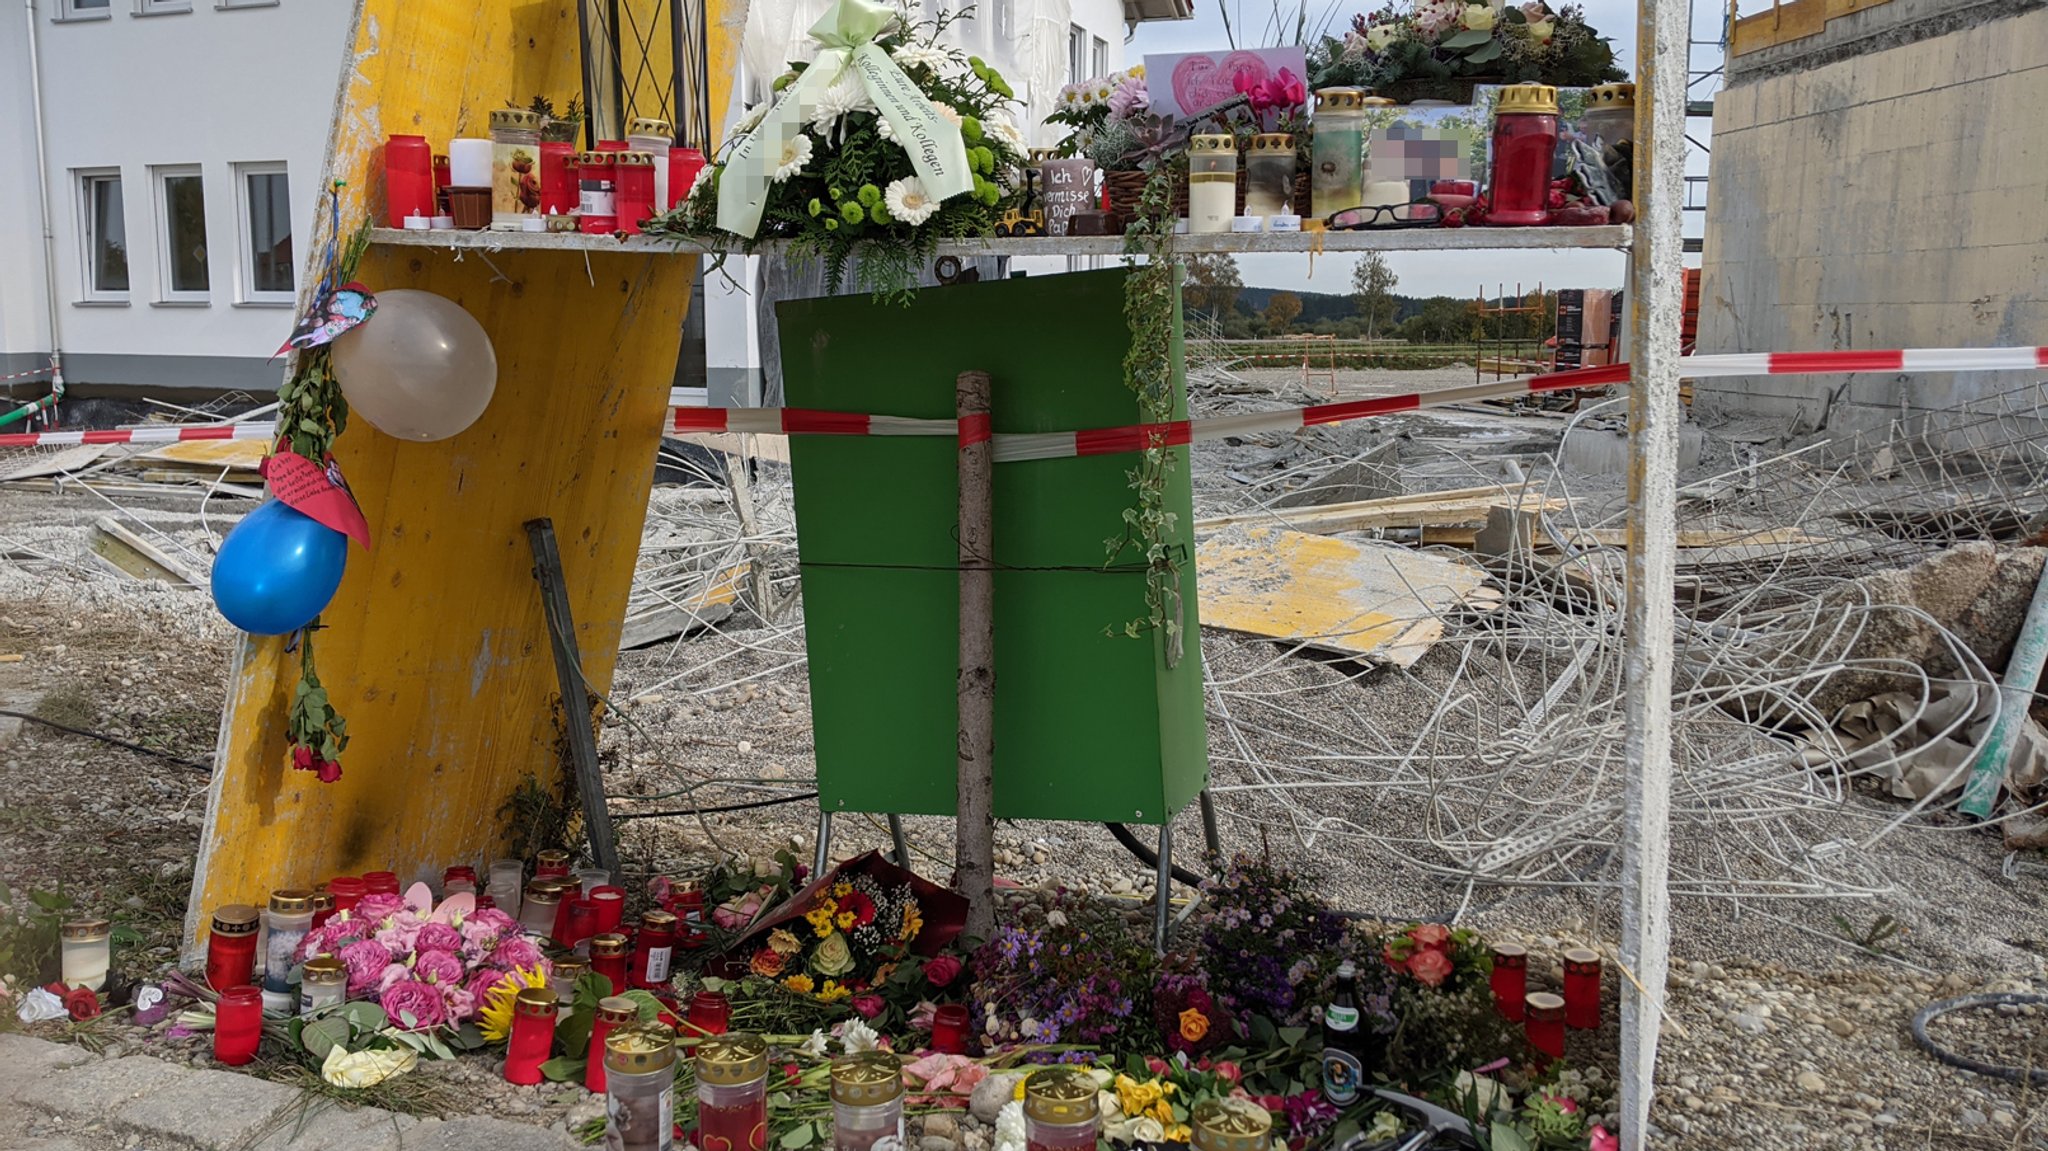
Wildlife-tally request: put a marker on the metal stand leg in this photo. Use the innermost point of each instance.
(902, 844)
(1163, 888)
(824, 852)
(1211, 837)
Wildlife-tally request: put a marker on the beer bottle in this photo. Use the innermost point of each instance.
(1343, 1068)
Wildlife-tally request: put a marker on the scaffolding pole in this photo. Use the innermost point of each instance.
(1663, 30)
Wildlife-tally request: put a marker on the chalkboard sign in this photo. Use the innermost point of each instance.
(1069, 188)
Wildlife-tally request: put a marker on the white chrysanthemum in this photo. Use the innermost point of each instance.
(885, 130)
(1010, 1128)
(847, 94)
(946, 110)
(859, 1037)
(701, 183)
(918, 55)
(796, 152)
(753, 118)
(908, 201)
(1001, 128)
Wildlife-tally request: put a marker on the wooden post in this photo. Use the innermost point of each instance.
(974, 868)
(577, 699)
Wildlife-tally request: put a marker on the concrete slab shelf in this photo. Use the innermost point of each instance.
(1239, 243)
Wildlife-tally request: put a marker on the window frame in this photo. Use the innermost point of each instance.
(1098, 56)
(163, 7)
(69, 12)
(166, 293)
(246, 293)
(89, 291)
(1077, 44)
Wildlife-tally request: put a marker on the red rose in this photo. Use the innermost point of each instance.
(868, 1006)
(81, 1003)
(302, 757)
(1431, 968)
(1431, 936)
(1393, 957)
(941, 970)
(1158, 1066)
(1229, 1072)
(327, 770)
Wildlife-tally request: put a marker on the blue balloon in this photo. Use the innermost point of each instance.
(277, 570)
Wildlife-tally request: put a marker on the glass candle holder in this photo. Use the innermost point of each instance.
(579, 921)
(1582, 988)
(86, 947)
(515, 167)
(537, 909)
(1545, 1023)
(1524, 141)
(565, 889)
(507, 881)
(237, 1025)
(684, 164)
(949, 1029)
(533, 1034)
(867, 1102)
(589, 879)
(655, 137)
(640, 1082)
(710, 1013)
(458, 880)
(231, 947)
(1212, 183)
(732, 1093)
(686, 901)
(1337, 170)
(550, 863)
(608, 958)
(346, 890)
(1231, 1124)
(285, 924)
(1269, 175)
(567, 971)
(408, 179)
(654, 950)
(1510, 980)
(633, 181)
(1059, 1110)
(380, 883)
(323, 982)
(613, 1012)
(611, 907)
(323, 909)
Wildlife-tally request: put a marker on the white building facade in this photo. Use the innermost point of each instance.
(181, 148)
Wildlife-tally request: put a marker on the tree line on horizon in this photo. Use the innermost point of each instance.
(1372, 310)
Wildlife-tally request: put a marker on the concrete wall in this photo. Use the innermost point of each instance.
(1879, 185)
(216, 85)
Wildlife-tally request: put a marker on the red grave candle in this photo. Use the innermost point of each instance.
(634, 179)
(608, 958)
(710, 1013)
(347, 891)
(1582, 988)
(612, 1011)
(443, 173)
(457, 879)
(552, 863)
(533, 1034)
(1524, 140)
(485, 902)
(683, 166)
(408, 179)
(611, 907)
(732, 1093)
(686, 900)
(380, 883)
(1545, 1024)
(323, 908)
(949, 1029)
(557, 182)
(1510, 979)
(231, 947)
(579, 921)
(654, 950)
(238, 1025)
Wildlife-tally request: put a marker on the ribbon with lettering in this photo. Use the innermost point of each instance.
(847, 31)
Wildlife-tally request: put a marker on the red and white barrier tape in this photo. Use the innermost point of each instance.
(1010, 447)
(30, 374)
(164, 434)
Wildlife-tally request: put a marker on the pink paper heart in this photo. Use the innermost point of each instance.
(1202, 82)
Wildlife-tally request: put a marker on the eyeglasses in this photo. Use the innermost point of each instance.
(1416, 214)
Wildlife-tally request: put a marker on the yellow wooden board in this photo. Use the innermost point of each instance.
(244, 454)
(435, 648)
(1378, 601)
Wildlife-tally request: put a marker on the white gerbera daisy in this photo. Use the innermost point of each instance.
(919, 56)
(908, 201)
(796, 152)
(885, 130)
(753, 118)
(1001, 128)
(946, 110)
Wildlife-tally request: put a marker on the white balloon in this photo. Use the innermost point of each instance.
(420, 368)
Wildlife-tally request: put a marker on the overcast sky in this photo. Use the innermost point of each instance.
(1434, 273)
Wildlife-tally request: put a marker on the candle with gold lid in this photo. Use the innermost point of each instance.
(1060, 1113)
(732, 1092)
(1231, 1124)
(867, 1101)
(285, 923)
(86, 948)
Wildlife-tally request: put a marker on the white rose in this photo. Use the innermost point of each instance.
(1379, 36)
(1541, 29)
(1478, 17)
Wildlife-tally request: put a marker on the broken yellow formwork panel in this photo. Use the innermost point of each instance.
(435, 648)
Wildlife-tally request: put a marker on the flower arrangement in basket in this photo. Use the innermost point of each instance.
(863, 926)
(884, 144)
(1441, 48)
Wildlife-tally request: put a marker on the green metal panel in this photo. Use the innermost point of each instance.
(1089, 725)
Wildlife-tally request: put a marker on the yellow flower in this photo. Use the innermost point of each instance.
(1019, 1092)
(799, 983)
(832, 992)
(842, 889)
(1540, 30)
(820, 920)
(494, 1018)
(1138, 1098)
(345, 1068)
(1478, 17)
(784, 942)
(845, 920)
(1193, 1025)
(1135, 71)
(1177, 1132)
(913, 920)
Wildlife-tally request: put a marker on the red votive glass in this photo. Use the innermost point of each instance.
(612, 145)
(552, 863)
(633, 187)
(565, 894)
(558, 186)
(1524, 140)
(485, 901)
(732, 1093)
(533, 1034)
(654, 950)
(612, 1011)
(683, 166)
(949, 1029)
(686, 900)
(608, 958)
(408, 179)
(579, 922)
(231, 947)
(1510, 979)
(238, 1025)
(347, 891)
(380, 883)
(611, 907)
(458, 879)
(1582, 988)
(710, 1013)
(323, 908)
(1545, 1024)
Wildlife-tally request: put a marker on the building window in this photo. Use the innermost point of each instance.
(266, 216)
(220, 4)
(1098, 57)
(82, 10)
(181, 235)
(105, 235)
(162, 7)
(1077, 54)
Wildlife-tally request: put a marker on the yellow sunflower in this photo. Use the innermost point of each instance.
(494, 1018)
(799, 983)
